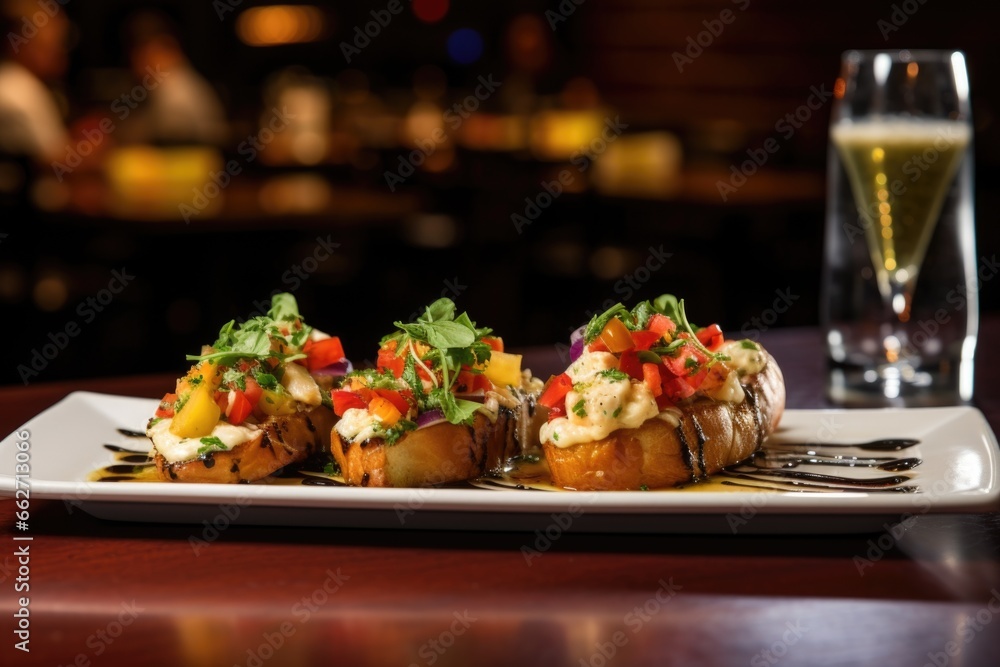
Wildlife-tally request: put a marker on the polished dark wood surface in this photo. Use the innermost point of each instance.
(104, 593)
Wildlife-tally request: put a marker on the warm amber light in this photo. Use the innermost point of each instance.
(279, 24)
(912, 69)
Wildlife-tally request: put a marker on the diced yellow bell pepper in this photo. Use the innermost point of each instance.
(503, 369)
(199, 414)
(276, 403)
(207, 370)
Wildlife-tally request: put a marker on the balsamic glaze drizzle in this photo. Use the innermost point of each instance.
(769, 469)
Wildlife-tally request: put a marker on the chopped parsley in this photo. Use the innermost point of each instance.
(211, 443)
(331, 468)
(643, 487)
(748, 344)
(617, 412)
(555, 436)
(395, 432)
(579, 409)
(615, 375)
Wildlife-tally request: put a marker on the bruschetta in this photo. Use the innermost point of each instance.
(255, 401)
(651, 401)
(440, 406)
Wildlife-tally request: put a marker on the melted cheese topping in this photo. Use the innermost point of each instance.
(300, 385)
(598, 405)
(177, 450)
(746, 360)
(356, 424)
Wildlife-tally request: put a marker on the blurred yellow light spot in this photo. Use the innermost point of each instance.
(880, 179)
(887, 232)
(890, 263)
(884, 208)
(280, 24)
(912, 69)
(886, 220)
(878, 154)
(50, 293)
(882, 194)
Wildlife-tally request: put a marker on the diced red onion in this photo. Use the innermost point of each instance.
(429, 418)
(342, 367)
(576, 344)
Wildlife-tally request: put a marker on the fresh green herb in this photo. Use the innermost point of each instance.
(195, 381)
(748, 344)
(331, 468)
(211, 443)
(641, 314)
(555, 436)
(690, 363)
(154, 421)
(669, 349)
(580, 409)
(233, 377)
(598, 322)
(455, 344)
(647, 357)
(325, 398)
(392, 434)
(265, 380)
(614, 375)
(253, 339)
(618, 411)
(643, 487)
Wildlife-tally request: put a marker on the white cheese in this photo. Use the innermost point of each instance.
(605, 405)
(177, 450)
(730, 391)
(357, 424)
(747, 360)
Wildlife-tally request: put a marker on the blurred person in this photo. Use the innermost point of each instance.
(182, 107)
(34, 52)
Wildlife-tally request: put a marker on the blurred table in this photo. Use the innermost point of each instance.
(117, 593)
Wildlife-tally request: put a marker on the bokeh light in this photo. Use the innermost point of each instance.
(430, 11)
(279, 24)
(465, 46)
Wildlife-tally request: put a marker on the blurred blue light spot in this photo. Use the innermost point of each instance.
(465, 45)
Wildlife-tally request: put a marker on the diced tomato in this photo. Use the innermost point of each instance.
(468, 382)
(166, 407)
(383, 410)
(661, 324)
(695, 381)
(322, 353)
(387, 359)
(240, 408)
(495, 343)
(651, 376)
(345, 400)
(555, 391)
(630, 365)
(557, 411)
(395, 398)
(677, 388)
(644, 340)
(222, 400)
(616, 336)
(711, 336)
(681, 364)
(597, 345)
(253, 390)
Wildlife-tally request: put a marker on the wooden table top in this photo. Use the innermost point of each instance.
(107, 593)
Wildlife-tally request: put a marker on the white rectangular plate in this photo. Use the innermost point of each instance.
(958, 474)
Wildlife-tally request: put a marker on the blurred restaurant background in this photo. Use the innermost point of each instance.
(166, 167)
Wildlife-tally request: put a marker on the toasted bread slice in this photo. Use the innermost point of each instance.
(279, 441)
(709, 436)
(438, 454)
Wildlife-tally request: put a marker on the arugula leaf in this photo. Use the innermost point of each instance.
(447, 334)
(456, 410)
(666, 304)
(284, 308)
(442, 309)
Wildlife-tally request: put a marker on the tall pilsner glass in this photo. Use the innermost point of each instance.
(900, 297)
